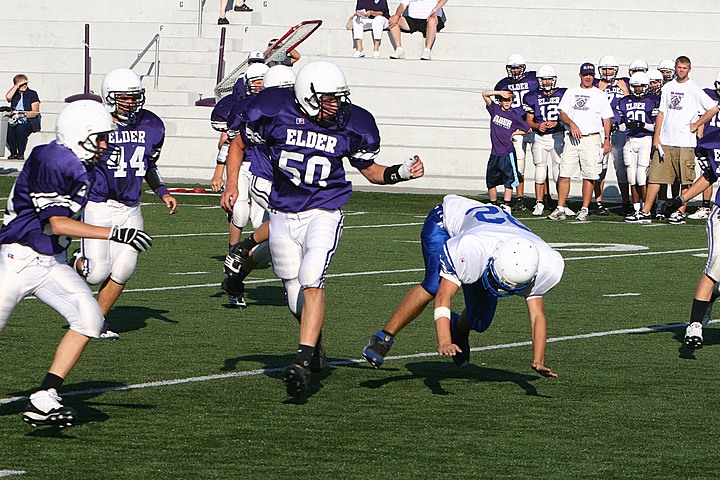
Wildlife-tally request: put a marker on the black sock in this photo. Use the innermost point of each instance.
(249, 243)
(304, 355)
(701, 311)
(51, 381)
(388, 334)
(706, 203)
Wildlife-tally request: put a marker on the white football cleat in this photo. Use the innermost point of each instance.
(693, 335)
(107, 334)
(44, 408)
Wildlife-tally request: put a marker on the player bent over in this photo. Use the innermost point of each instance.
(308, 132)
(117, 190)
(40, 217)
(708, 288)
(488, 253)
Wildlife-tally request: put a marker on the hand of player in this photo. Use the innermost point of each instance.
(170, 203)
(227, 199)
(543, 370)
(411, 168)
(216, 183)
(673, 204)
(448, 349)
(134, 237)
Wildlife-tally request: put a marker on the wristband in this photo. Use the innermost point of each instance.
(682, 199)
(442, 312)
(392, 175)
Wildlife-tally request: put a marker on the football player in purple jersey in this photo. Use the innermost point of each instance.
(708, 288)
(41, 215)
(308, 132)
(637, 116)
(615, 88)
(520, 81)
(117, 191)
(667, 68)
(549, 136)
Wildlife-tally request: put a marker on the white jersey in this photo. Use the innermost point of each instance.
(461, 214)
(466, 256)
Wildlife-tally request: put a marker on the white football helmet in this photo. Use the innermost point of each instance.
(546, 72)
(511, 268)
(656, 80)
(81, 126)
(323, 95)
(608, 62)
(637, 65)
(667, 68)
(254, 72)
(280, 76)
(515, 66)
(717, 82)
(123, 93)
(639, 84)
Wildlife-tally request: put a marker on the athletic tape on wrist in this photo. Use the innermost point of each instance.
(442, 312)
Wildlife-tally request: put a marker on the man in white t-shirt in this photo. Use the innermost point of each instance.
(586, 113)
(675, 138)
(424, 16)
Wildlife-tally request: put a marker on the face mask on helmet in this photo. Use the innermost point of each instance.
(608, 68)
(322, 94)
(637, 66)
(717, 82)
(123, 94)
(511, 268)
(639, 84)
(83, 127)
(547, 84)
(254, 78)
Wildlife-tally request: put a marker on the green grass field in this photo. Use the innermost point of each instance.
(192, 390)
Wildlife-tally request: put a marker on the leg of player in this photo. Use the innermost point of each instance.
(705, 295)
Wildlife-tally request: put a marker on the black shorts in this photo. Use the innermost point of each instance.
(420, 25)
(502, 170)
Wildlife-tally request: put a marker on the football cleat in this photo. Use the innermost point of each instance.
(462, 360)
(107, 334)
(627, 209)
(44, 408)
(296, 378)
(318, 359)
(538, 209)
(377, 348)
(601, 210)
(236, 301)
(519, 206)
(676, 218)
(693, 335)
(701, 213)
(639, 217)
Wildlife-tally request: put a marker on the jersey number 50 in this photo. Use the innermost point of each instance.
(308, 177)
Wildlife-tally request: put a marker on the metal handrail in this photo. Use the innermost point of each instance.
(201, 4)
(156, 64)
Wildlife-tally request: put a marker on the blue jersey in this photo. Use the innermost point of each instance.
(714, 123)
(307, 158)
(139, 144)
(528, 83)
(544, 108)
(53, 183)
(614, 94)
(638, 109)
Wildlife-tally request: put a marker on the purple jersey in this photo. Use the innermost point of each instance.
(614, 94)
(254, 154)
(503, 123)
(544, 108)
(711, 143)
(53, 183)
(528, 83)
(221, 111)
(307, 158)
(638, 109)
(139, 144)
(714, 123)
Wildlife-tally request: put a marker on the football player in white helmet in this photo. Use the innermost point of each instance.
(520, 81)
(42, 214)
(489, 254)
(115, 197)
(637, 65)
(656, 81)
(615, 88)
(667, 68)
(308, 132)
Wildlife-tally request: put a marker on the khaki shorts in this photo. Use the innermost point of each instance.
(582, 158)
(679, 162)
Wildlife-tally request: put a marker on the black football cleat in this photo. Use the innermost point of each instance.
(296, 378)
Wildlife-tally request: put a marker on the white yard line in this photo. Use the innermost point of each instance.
(263, 371)
(622, 295)
(8, 473)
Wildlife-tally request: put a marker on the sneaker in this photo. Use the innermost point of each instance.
(460, 339)
(376, 54)
(582, 215)
(677, 218)
(44, 408)
(701, 213)
(358, 54)
(242, 8)
(639, 217)
(557, 215)
(296, 378)
(693, 335)
(223, 21)
(317, 362)
(627, 209)
(426, 54)
(505, 208)
(377, 348)
(538, 209)
(236, 301)
(659, 210)
(399, 53)
(519, 205)
(569, 212)
(107, 334)
(601, 210)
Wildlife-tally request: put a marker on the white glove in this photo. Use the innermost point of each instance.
(405, 168)
(134, 237)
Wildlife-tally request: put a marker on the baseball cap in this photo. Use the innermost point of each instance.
(587, 68)
(256, 56)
